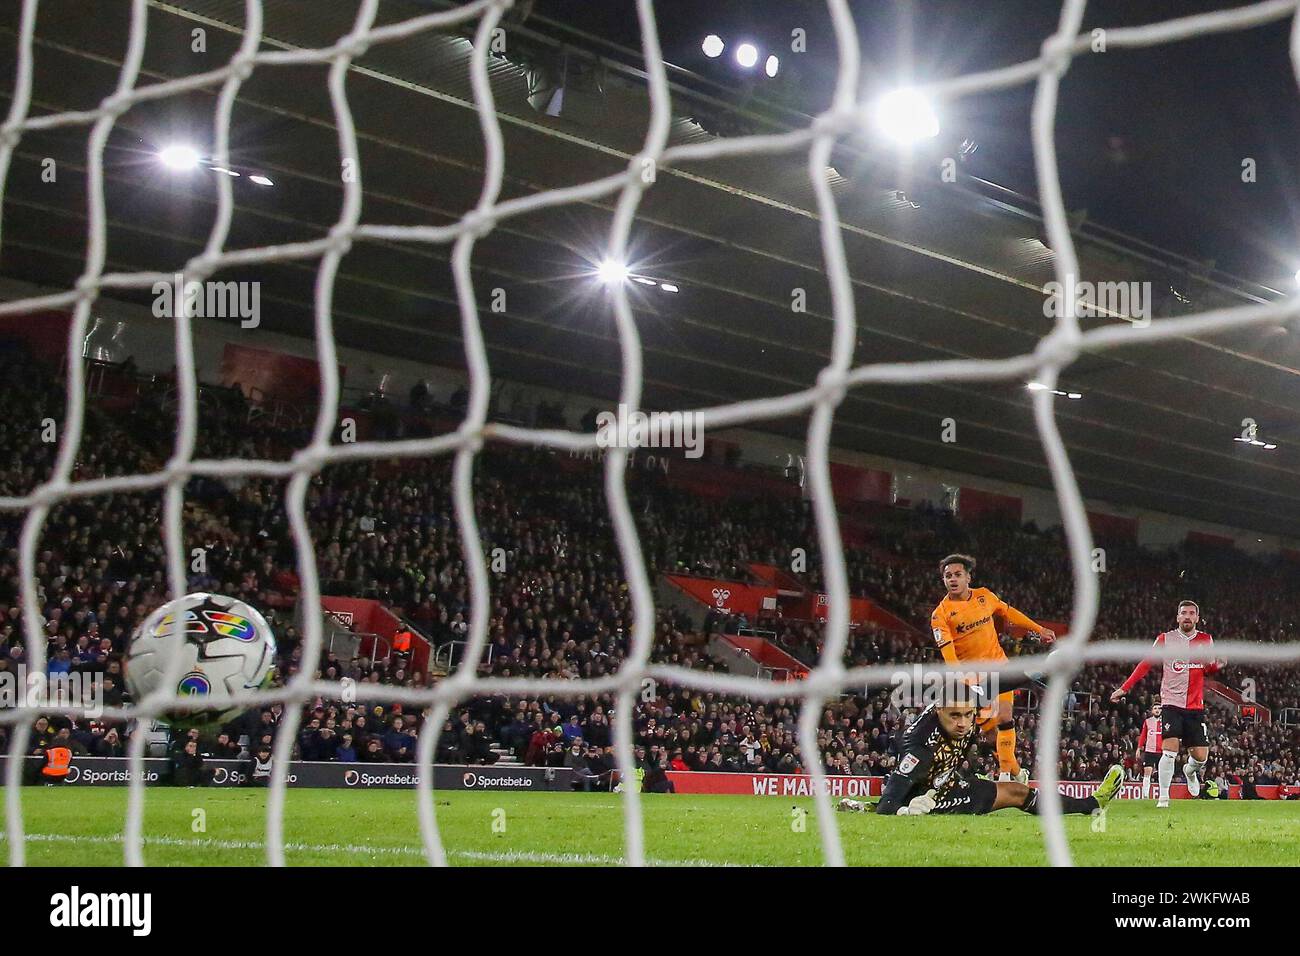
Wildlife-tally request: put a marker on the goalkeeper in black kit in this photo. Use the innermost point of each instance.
(929, 778)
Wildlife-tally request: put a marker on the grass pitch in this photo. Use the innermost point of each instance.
(83, 827)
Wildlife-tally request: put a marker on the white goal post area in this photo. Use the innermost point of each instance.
(1055, 351)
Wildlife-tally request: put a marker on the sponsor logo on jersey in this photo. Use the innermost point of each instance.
(908, 763)
(971, 625)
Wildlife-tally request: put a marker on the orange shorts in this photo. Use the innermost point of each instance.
(988, 717)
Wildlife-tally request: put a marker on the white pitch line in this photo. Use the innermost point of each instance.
(354, 849)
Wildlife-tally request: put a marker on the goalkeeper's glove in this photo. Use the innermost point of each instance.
(919, 806)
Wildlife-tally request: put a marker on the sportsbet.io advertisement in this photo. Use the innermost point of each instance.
(115, 772)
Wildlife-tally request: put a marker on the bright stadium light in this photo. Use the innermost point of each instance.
(1040, 387)
(222, 169)
(713, 46)
(668, 287)
(747, 55)
(260, 180)
(1297, 277)
(179, 157)
(611, 272)
(772, 65)
(905, 116)
(644, 280)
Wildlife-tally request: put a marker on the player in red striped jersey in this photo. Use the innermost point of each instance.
(1148, 749)
(1182, 687)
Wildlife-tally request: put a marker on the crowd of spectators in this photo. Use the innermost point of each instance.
(1242, 597)
(560, 605)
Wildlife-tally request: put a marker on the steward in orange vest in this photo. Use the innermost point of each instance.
(57, 762)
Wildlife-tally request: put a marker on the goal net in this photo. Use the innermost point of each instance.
(1056, 350)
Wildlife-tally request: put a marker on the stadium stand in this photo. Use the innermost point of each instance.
(561, 608)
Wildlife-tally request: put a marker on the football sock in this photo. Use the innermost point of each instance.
(1146, 783)
(1007, 762)
(1167, 761)
(1068, 804)
(1193, 766)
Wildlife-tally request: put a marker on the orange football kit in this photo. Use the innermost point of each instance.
(965, 633)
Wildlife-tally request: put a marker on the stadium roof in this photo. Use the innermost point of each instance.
(939, 271)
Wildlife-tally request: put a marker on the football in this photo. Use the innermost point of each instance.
(228, 648)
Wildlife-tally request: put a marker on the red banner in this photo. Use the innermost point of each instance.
(730, 597)
(973, 503)
(769, 655)
(776, 577)
(45, 333)
(854, 534)
(850, 483)
(274, 374)
(800, 785)
(1247, 708)
(1131, 789)
(717, 481)
(1108, 529)
(816, 607)
(1209, 540)
(771, 784)
(365, 616)
(356, 614)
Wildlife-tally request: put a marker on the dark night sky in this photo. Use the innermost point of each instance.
(1151, 141)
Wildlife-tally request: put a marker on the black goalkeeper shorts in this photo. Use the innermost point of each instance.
(1185, 726)
(969, 796)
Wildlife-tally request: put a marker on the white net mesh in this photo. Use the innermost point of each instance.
(847, 113)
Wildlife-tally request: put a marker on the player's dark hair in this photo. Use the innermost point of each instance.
(965, 560)
(964, 694)
(1183, 604)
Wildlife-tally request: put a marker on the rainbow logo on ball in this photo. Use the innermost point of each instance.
(192, 624)
(194, 683)
(232, 625)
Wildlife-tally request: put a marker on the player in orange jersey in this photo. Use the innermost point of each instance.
(964, 629)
